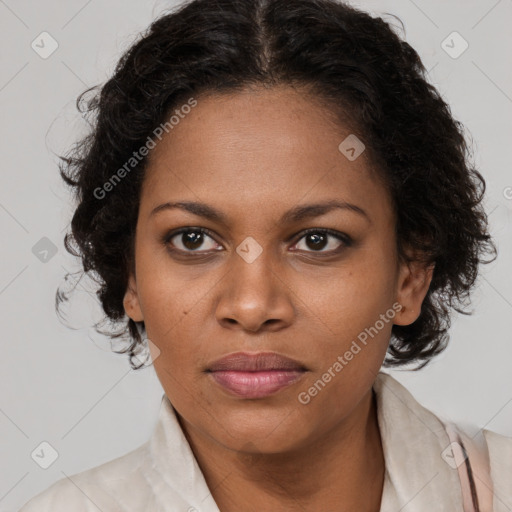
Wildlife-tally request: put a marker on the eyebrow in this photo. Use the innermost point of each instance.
(296, 214)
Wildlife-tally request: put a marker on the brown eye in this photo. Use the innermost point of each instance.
(191, 240)
(316, 240)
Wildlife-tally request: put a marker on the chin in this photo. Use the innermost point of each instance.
(270, 431)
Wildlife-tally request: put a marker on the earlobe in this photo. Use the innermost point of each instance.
(131, 301)
(413, 284)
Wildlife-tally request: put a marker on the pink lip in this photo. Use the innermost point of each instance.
(255, 375)
(255, 384)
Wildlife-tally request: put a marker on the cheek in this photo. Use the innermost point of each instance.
(349, 298)
(167, 291)
(169, 307)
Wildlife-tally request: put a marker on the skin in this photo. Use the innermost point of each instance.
(254, 155)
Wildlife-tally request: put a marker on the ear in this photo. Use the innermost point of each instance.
(131, 301)
(413, 283)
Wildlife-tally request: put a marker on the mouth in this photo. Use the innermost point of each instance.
(255, 375)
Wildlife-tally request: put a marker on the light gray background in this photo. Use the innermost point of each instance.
(60, 386)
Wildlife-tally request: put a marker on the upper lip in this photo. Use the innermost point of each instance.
(261, 361)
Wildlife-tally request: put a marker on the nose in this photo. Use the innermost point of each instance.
(255, 296)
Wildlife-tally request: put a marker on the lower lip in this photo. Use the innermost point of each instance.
(255, 384)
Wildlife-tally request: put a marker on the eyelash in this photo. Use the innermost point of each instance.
(345, 239)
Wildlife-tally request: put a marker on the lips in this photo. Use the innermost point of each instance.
(261, 361)
(255, 375)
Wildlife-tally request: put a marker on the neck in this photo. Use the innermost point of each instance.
(342, 471)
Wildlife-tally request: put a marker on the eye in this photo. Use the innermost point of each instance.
(199, 240)
(191, 240)
(317, 239)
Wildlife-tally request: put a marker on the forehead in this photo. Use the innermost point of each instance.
(257, 147)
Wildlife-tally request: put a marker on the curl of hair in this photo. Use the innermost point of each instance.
(358, 67)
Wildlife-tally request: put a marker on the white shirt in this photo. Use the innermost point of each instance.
(163, 474)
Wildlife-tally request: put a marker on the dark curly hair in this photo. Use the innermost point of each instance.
(356, 65)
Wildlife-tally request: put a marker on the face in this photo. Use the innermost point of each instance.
(269, 272)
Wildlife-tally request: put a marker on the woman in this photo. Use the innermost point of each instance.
(276, 203)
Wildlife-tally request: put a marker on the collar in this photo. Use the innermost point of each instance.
(413, 439)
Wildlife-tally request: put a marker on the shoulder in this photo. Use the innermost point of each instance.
(500, 451)
(500, 460)
(478, 456)
(489, 464)
(115, 485)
